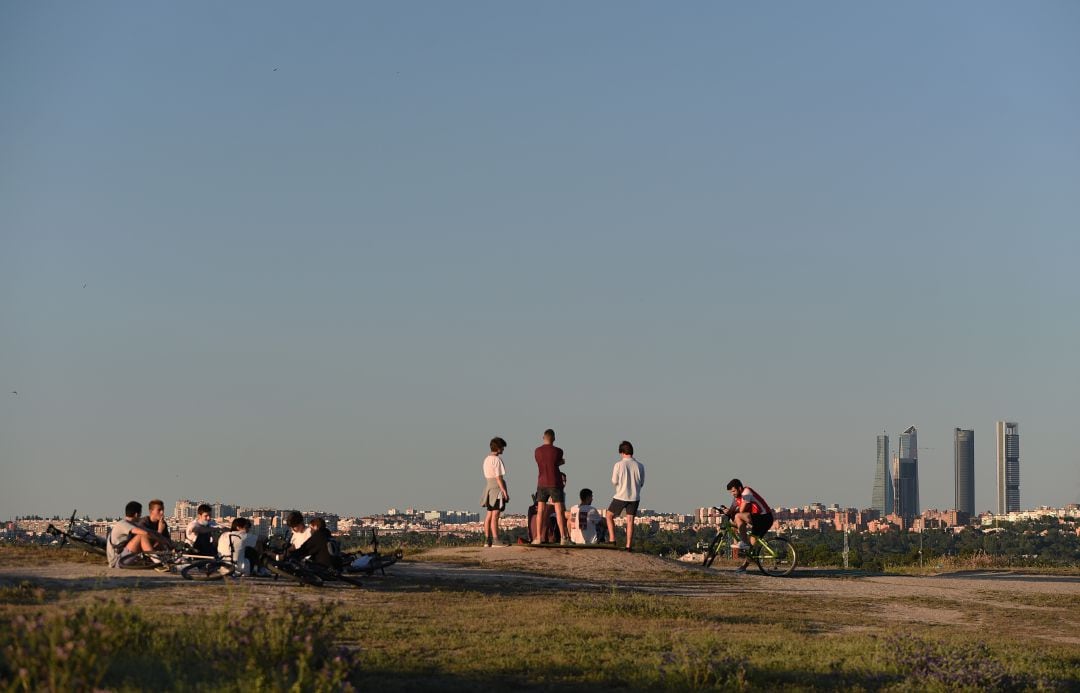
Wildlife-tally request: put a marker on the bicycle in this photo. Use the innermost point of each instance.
(271, 557)
(79, 534)
(774, 556)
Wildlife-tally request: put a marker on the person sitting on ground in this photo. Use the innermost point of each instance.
(126, 537)
(317, 547)
(749, 509)
(551, 527)
(238, 546)
(155, 522)
(200, 531)
(300, 532)
(584, 520)
(627, 477)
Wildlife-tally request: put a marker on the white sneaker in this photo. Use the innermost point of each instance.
(536, 541)
(740, 545)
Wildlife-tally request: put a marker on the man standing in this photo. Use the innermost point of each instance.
(628, 477)
(549, 487)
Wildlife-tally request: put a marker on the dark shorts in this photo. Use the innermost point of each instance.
(759, 524)
(500, 505)
(617, 506)
(553, 494)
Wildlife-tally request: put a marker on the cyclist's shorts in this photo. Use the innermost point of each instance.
(759, 524)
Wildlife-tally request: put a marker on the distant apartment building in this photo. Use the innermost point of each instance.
(964, 470)
(881, 500)
(906, 475)
(185, 510)
(224, 510)
(1007, 434)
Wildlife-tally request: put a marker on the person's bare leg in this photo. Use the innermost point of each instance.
(629, 530)
(494, 527)
(611, 527)
(741, 521)
(560, 520)
(541, 522)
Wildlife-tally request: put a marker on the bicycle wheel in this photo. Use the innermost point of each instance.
(139, 561)
(205, 570)
(296, 572)
(710, 553)
(775, 557)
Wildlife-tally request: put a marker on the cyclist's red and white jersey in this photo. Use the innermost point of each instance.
(753, 503)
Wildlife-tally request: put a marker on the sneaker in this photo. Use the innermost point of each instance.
(565, 542)
(629, 549)
(537, 542)
(740, 545)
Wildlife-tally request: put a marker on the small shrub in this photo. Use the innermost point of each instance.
(288, 647)
(702, 665)
(25, 592)
(930, 663)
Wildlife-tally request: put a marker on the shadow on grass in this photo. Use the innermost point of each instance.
(570, 679)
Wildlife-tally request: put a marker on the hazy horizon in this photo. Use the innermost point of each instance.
(318, 256)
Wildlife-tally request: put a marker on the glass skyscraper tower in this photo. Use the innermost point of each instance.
(964, 469)
(1008, 466)
(906, 475)
(881, 500)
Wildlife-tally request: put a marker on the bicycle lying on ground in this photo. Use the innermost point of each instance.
(78, 534)
(271, 557)
(774, 555)
(346, 567)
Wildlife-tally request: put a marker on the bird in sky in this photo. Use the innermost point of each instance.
(84, 286)
(15, 393)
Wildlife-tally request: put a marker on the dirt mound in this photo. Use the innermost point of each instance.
(577, 564)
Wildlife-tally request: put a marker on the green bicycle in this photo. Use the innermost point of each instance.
(774, 556)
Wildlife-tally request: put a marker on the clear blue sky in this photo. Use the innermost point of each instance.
(329, 251)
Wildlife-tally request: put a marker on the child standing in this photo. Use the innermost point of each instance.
(495, 496)
(627, 477)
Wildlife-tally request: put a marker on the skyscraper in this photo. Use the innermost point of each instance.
(964, 470)
(1008, 466)
(906, 475)
(881, 500)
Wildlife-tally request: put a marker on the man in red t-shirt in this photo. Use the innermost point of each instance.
(748, 509)
(549, 486)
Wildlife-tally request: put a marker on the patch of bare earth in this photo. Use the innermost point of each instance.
(1040, 606)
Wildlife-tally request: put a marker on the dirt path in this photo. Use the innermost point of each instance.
(974, 599)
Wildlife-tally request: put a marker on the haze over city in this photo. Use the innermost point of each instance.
(323, 265)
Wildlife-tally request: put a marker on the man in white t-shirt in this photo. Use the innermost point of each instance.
(627, 477)
(584, 520)
(300, 531)
(126, 537)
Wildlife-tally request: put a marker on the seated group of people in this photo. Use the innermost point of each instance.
(138, 534)
(584, 523)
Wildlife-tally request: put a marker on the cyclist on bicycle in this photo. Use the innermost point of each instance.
(748, 509)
